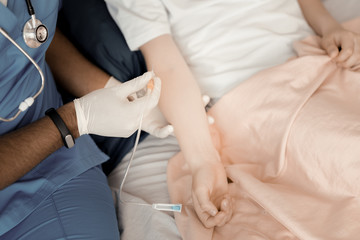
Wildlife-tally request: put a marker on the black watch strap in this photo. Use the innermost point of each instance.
(67, 138)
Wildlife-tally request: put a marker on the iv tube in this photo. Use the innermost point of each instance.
(157, 206)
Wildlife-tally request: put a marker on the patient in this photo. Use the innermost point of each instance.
(193, 48)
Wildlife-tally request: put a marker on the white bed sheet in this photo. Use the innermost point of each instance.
(343, 10)
(146, 182)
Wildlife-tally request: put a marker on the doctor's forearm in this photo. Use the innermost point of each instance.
(71, 69)
(317, 16)
(23, 149)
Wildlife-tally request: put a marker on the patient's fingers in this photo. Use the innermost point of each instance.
(330, 47)
(219, 220)
(204, 211)
(226, 208)
(347, 49)
(203, 197)
(354, 59)
(209, 215)
(355, 68)
(223, 216)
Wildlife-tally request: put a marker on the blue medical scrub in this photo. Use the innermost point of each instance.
(50, 197)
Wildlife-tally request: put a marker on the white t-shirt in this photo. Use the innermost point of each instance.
(223, 41)
(4, 2)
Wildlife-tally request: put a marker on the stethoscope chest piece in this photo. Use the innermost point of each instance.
(34, 32)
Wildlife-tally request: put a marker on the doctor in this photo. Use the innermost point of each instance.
(51, 182)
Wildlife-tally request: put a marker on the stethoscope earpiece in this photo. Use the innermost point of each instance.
(35, 33)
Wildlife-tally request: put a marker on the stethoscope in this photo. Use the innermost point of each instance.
(35, 34)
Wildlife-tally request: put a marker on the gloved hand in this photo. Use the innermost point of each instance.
(155, 123)
(109, 112)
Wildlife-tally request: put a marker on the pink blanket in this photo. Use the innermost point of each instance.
(289, 139)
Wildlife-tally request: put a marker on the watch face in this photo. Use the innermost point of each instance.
(69, 141)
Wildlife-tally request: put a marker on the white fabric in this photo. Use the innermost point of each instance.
(343, 10)
(146, 183)
(223, 41)
(4, 2)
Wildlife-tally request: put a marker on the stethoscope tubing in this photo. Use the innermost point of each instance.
(3, 32)
(30, 7)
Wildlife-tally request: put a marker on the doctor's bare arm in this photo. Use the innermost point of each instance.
(340, 44)
(24, 148)
(72, 71)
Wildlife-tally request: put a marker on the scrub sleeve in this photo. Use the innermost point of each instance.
(91, 28)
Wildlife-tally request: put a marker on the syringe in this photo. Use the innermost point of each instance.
(144, 91)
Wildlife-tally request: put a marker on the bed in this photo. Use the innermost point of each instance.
(147, 181)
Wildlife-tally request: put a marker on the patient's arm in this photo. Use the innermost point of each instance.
(182, 106)
(334, 36)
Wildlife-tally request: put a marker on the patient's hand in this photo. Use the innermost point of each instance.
(349, 45)
(210, 194)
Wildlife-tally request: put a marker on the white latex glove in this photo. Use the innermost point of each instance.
(155, 123)
(109, 112)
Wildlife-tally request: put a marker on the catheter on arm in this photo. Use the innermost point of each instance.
(30, 100)
(157, 206)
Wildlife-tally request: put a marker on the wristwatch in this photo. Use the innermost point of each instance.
(66, 136)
